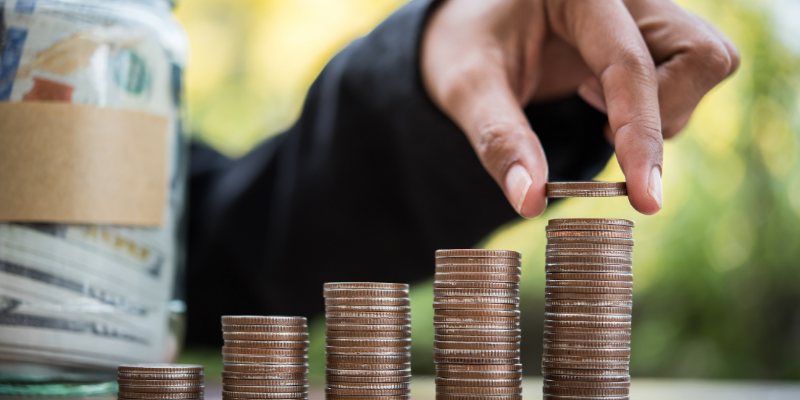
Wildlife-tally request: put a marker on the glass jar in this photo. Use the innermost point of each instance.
(78, 300)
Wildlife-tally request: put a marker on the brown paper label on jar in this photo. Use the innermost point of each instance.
(67, 163)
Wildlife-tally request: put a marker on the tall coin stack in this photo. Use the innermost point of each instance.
(368, 338)
(589, 291)
(160, 381)
(476, 322)
(265, 357)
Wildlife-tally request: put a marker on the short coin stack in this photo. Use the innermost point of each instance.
(368, 338)
(589, 290)
(476, 322)
(265, 357)
(160, 381)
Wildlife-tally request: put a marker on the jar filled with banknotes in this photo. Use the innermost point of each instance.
(92, 192)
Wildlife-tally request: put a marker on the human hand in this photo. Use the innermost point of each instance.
(646, 63)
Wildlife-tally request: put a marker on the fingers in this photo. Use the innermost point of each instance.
(610, 43)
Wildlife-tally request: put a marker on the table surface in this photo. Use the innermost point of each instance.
(423, 388)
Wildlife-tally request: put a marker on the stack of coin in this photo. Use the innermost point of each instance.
(265, 357)
(586, 189)
(368, 338)
(589, 291)
(160, 381)
(476, 322)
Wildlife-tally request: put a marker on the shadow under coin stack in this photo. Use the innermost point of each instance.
(265, 357)
(476, 321)
(588, 302)
(368, 337)
(160, 381)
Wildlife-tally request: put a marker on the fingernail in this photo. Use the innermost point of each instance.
(593, 97)
(654, 187)
(518, 181)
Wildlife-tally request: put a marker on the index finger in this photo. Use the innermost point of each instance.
(610, 43)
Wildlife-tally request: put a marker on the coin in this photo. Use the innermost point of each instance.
(246, 395)
(161, 368)
(559, 259)
(268, 344)
(587, 352)
(160, 382)
(475, 360)
(475, 284)
(155, 376)
(475, 353)
(587, 337)
(333, 334)
(367, 301)
(395, 343)
(266, 368)
(477, 382)
(247, 359)
(585, 391)
(585, 276)
(370, 385)
(348, 397)
(591, 268)
(589, 296)
(371, 315)
(480, 306)
(587, 227)
(367, 366)
(438, 292)
(159, 396)
(585, 193)
(585, 372)
(455, 325)
(262, 320)
(368, 309)
(475, 319)
(477, 332)
(365, 293)
(478, 253)
(339, 379)
(369, 373)
(585, 185)
(264, 375)
(264, 352)
(588, 378)
(588, 289)
(266, 382)
(511, 262)
(477, 345)
(365, 285)
(363, 327)
(587, 384)
(373, 351)
(588, 253)
(367, 321)
(493, 339)
(588, 247)
(592, 221)
(605, 331)
(587, 317)
(590, 240)
(479, 313)
(160, 389)
(600, 360)
(361, 359)
(554, 344)
(480, 391)
(264, 328)
(576, 283)
(476, 269)
(582, 234)
(264, 336)
(466, 276)
(589, 303)
(479, 367)
(443, 396)
(365, 392)
(584, 365)
(587, 310)
(476, 377)
(265, 389)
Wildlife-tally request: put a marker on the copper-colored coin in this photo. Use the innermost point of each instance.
(588, 385)
(584, 365)
(264, 375)
(604, 331)
(330, 334)
(584, 276)
(587, 317)
(268, 344)
(264, 352)
(589, 253)
(265, 382)
(263, 320)
(592, 283)
(559, 259)
(160, 376)
(590, 240)
(365, 285)
(476, 292)
(588, 289)
(475, 285)
(444, 396)
(161, 368)
(477, 378)
(588, 378)
(266, 368)
(471, 339)
(369, 373)
(265, 328)
(585, 193)
(369, 385)
(367, 301)
(477, 269)
(159, 396)
(476, 383)
(362, 327)
(246, 359)
(368, 309)
(589, 296)
(475, 360)
(475, 319)
(247, 395)
(477, 345)
(585, 372)
(600, 360)
(587, 337)
(479, 391)
(366, 351)
(592, 221)
(590, 268)
(264, 336)
(476, 299)
(366, 379)
(367, 321)
(160, 389)
(563, 344)
(455, 325)
(160, 382)
(475, 306)
(589, 247)
(587, 310)
(582, 234)
(465, 276)
(393, 343)
(587, 227)
(369, 315)
(478, 332)
(351, 359)
(479, 313)
(478, 253)
(366, 392)
(511, 262)
(348, 397)
(589, 303)
(265, 389)
(479, 367)
(328, 293)
(368, 366)
(475, 353)
(587, 352)
(594, 185)
(585, 391)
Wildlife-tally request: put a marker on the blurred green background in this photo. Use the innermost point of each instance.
(717, 271)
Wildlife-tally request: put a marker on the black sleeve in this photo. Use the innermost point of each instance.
(369, 182)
